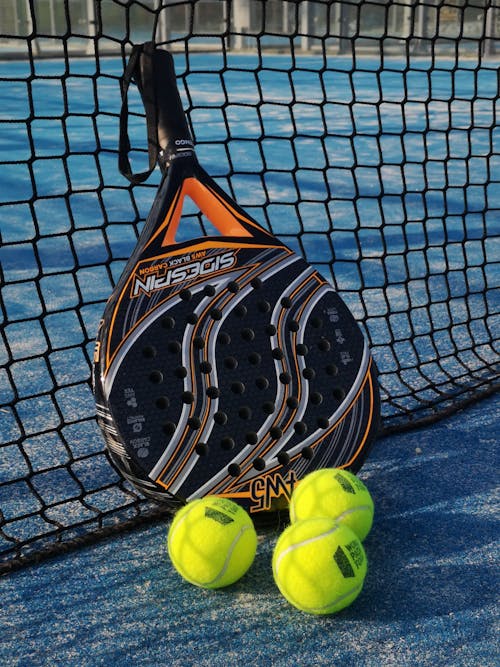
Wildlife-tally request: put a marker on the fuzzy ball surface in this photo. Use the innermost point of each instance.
(319, 565)
(337, 494)
(212, 542)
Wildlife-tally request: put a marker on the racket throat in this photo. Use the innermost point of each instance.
(217, 211)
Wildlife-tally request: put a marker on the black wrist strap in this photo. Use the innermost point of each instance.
(139, 70)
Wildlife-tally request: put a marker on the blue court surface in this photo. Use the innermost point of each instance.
(430, 597)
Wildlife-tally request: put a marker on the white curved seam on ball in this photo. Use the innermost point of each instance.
(352, 510)
(310, 540)
(232, 547)
(335, 602)
(184, 517)
(338, 517)
(170, 535)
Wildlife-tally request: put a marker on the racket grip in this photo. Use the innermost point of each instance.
(174, 136)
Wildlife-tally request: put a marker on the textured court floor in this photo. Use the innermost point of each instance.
(430, 597)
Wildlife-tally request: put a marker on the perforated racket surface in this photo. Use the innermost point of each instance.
(226, 364)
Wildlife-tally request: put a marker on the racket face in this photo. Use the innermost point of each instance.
(229, 366)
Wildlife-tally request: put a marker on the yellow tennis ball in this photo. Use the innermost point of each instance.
(212, 542)
(334, 493)
(319, 565)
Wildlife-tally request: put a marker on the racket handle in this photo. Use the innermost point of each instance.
(174, 136)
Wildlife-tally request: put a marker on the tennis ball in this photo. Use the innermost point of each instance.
(319, 565)
(334, 493)
(212, 542)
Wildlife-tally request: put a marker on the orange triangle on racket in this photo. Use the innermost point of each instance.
(219, 213)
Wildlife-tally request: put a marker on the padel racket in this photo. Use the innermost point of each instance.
(224, 365)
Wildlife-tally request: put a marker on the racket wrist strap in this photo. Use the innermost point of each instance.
(143, 79)
(152, 70)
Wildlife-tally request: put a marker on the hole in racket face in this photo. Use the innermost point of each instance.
(237, 377)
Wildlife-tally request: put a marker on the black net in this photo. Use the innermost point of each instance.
(364, 134)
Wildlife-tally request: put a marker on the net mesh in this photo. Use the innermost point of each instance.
(364, 134)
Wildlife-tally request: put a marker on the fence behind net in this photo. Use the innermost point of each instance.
(365, 135)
